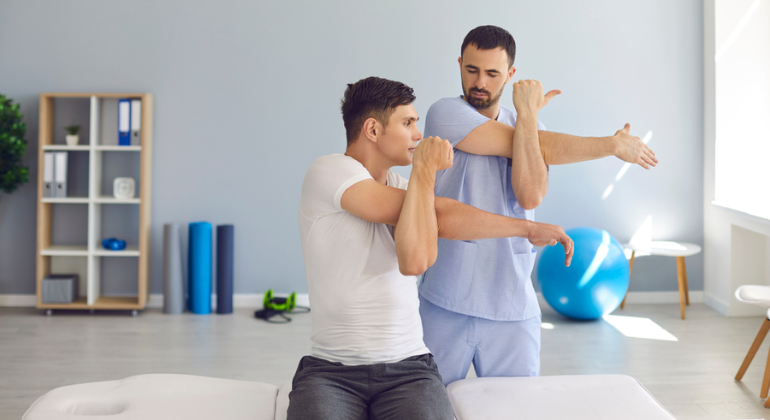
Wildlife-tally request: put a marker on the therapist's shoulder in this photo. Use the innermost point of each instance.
(447, 105)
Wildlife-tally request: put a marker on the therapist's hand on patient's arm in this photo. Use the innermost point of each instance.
(632, 149)
(542, 234)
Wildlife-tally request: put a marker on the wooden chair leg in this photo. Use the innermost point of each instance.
(686, 287)
(766, 379)
(753, 349)
(680, 279)
(630, 270)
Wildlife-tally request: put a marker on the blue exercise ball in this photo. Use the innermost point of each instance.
(596, 281)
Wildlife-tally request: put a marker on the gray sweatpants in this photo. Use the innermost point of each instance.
(409, 389)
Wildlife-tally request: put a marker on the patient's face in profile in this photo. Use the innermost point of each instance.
(401, 136)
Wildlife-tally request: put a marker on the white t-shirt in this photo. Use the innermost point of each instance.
(364, 310)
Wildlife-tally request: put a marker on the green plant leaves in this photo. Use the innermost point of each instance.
(12, 146)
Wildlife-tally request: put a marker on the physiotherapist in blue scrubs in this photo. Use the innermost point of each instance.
(477, 302)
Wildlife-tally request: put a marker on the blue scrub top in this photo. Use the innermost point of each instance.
(487, 278)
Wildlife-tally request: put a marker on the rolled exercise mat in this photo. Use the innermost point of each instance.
(173, 286)
(225, 236)
(199, 268)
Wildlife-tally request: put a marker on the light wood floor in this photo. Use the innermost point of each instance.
(692, 377)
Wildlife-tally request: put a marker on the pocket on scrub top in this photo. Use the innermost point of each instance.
(451, 275)
(523, 264)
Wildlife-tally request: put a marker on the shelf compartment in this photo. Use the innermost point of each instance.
(71, 111)
(64, 264)
(66, 250)
(117, 276)
(111, 164)
(69, 225)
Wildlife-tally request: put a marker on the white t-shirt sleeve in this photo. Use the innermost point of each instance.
(452, 119)
(325, 182)
(395, 180)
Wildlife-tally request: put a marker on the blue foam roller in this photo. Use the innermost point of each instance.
(199, 268)
(225, 236)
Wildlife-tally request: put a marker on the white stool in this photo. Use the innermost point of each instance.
(760, 296)
(668, 249)
(159, 397)
(575, 397)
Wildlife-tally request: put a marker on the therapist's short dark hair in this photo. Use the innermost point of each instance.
(490, 37)
(372, 97)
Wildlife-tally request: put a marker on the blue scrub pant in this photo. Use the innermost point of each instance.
(496, 348)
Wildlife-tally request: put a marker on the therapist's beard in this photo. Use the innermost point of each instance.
(481, 104)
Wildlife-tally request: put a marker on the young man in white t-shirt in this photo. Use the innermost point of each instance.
(366, 233)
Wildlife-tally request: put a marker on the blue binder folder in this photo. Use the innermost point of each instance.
(124, 122)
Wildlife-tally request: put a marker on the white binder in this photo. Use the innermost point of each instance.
(49, 184)
(136, 121)
(60, 174)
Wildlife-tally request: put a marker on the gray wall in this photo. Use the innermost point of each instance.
(247, 95)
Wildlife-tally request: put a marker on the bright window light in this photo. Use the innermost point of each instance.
(601, 254)
(638, 327)
(546, 326)
(742, 100)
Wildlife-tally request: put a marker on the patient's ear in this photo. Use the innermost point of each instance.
(371, 129)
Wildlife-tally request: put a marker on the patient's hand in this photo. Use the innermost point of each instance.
(542, 234)
(434, 154)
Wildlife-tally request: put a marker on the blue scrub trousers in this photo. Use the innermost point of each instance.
(496, 348)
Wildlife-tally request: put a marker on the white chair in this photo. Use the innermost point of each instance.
(760, 296)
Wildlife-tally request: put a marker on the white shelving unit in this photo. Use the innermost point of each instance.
(71, 255)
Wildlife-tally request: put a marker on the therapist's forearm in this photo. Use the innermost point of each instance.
(462, 222)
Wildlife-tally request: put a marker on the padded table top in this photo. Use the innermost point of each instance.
(574, 397)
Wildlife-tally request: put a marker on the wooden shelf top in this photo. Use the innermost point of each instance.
(99, 147)
(98, 95)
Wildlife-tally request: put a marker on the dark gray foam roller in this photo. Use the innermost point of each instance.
(173, 285)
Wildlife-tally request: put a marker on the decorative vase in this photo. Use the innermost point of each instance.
(124, 188)
(72, 139)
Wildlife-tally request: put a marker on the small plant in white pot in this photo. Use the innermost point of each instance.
(72, 137)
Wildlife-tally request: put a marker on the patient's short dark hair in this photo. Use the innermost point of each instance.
(372, 97)
(490, 37)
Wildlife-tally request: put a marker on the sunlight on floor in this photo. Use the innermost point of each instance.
(546, 326)
(638, 327)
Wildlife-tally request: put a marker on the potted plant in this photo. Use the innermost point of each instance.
(72, 135)
(12, 147)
